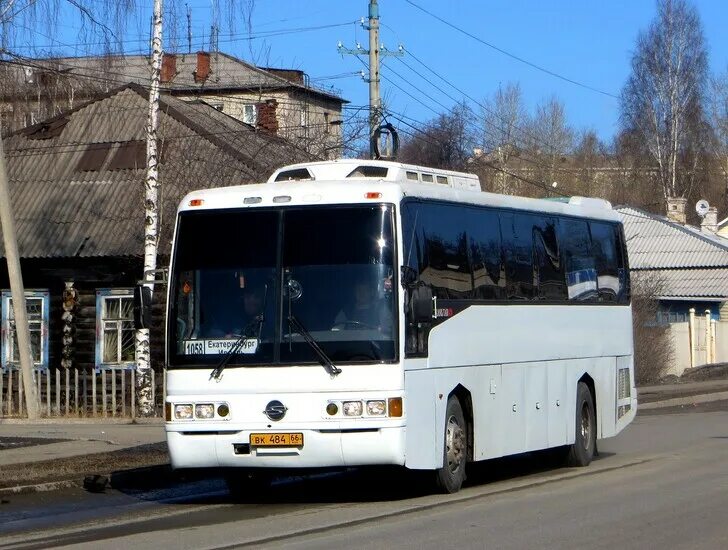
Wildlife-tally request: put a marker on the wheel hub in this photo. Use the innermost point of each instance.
(455, 444)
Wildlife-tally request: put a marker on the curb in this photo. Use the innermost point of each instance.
(681, 401)
(39, 487)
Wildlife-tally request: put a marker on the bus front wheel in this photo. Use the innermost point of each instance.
(582, 451)
(450, 477)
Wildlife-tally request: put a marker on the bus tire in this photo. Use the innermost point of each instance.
(585, 442)
(450, 477)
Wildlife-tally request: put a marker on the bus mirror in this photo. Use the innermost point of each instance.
(408, 276)
(142, 307)
(422, 304)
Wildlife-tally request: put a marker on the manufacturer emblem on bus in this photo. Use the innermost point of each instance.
(275, 410)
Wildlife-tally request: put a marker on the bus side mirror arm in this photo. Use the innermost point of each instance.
(142, 307)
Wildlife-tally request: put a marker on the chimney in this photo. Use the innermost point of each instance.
(267, 116)
(169, 68)
(202, 72)
(676, 209)
(709, 224)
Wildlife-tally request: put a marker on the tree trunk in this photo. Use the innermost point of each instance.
(151, 219)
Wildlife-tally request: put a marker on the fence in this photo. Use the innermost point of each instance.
(699, 341)
(76, 393)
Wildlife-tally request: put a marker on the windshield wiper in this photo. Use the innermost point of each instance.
(238, 344)
(328, 365)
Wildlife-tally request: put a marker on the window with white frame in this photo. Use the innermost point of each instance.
(36, 304)
(250, 114)
(115, 328)
(305, 116)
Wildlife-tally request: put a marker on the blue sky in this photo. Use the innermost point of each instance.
(586, 41)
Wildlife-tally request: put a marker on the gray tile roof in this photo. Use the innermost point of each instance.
(688, 283)
(685, 262)
(655, 242)
(63, 211)
(226, 73)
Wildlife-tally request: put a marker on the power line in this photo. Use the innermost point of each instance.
(513, 56)
(428, 138)
(483, 120)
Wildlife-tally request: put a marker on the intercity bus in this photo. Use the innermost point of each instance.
(358, 312)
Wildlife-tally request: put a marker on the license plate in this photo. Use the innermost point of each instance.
(276, 440)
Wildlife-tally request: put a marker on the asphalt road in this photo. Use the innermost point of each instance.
(663, 483)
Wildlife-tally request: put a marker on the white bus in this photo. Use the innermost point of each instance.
(356, 312)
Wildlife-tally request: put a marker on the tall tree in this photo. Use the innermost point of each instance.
(504, 117)
(718, 110)
(663, 98)
(551, 138)
(444, 142)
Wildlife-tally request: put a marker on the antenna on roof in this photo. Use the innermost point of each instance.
(702, 207)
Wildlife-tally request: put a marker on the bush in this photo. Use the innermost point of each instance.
(653, 350)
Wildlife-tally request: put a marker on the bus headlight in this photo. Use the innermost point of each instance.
(205, 410)
(352, 408)
(183, 412)
(376, 408)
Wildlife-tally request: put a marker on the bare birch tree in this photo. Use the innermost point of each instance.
(718, 111)
(151, 217)
(663, 98)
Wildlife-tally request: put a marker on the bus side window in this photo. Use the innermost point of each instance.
(486, 254)
(606, 253)
(445, 264)
(516, 232)
(550, 280)
(581, 273)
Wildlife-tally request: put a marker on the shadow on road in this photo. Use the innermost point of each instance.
(353, 485)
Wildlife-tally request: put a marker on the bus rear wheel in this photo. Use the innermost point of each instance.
(451, 476)
(582, 451)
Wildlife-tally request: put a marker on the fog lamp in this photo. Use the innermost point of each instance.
(376, 408)
(352, 408)
(223, 410)
(332, 409)
(205, 410)
(183, 412)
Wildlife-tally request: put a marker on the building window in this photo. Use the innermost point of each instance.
(305, 116)
(250, 114)
(114, 328)
(36, 302)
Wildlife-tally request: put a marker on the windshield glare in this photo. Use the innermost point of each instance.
(246, 272)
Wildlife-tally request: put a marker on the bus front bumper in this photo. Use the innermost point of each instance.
(321, 448)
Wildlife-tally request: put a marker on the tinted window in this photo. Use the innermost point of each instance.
(441, 246)
(549, 271)
(486, 256)
(516, 232)
(581, 275)
(607, 259)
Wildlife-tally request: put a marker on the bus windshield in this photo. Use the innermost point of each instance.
(247, 272)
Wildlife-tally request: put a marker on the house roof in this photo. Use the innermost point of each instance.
(685, 262)
(76, 180)
(679, 284)
(654, 242)
(226, 73)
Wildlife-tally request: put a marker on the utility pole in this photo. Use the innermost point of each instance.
(151, 217)
(374, 52)
(375, 101)
(22, 331)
